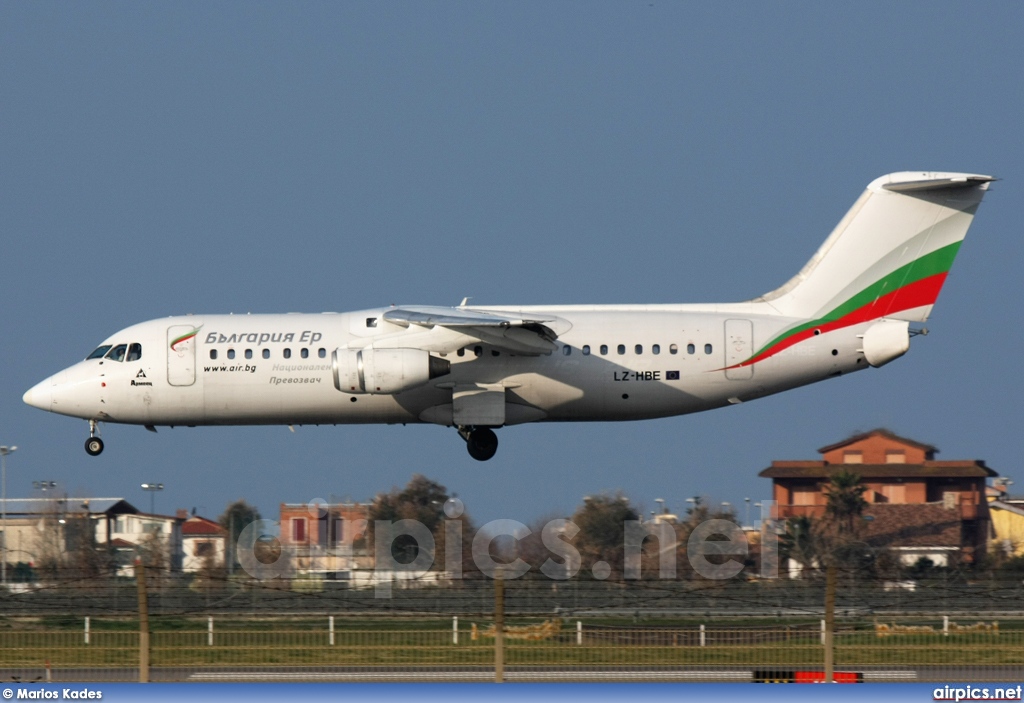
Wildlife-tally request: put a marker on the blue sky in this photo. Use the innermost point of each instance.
(167, 158)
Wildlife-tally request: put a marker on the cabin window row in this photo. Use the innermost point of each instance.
(286, 353)
(638, 349)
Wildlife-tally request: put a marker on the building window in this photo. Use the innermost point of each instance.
(853, 457)
(298, 529)
(895, 456)
(204, 549)
(805, 496)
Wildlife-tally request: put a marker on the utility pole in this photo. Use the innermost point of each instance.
(499, 626)
(830, 622)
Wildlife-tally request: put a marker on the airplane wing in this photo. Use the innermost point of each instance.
(526, 335)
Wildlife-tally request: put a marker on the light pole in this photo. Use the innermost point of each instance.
(4, 451)
(152, 488)
(747, 501)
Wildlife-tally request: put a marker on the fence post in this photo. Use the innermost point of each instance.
(87, 629)
(209, 631)
(579, 632)
(330, 628)
(830, 623)
(945, 626)
(455, 629)
(703, 639)
(140, 580)
(499, 626)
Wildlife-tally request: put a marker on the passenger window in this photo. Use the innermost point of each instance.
(99, 352)
(655, 348)
(621, 349)
(690, 349)
(604, 349)
(586, 350)
(495, 352)
(266, 353)
(304, 353)
(213, 353)
(117, 353)
(567, 350)
(248, 353)
(707, 348)
(461, 352)
(639, 348)
(371, 322)
(478, 350)
(134, 352)
(322, 353)
(231, 353)
(673, 349)
(287, 353)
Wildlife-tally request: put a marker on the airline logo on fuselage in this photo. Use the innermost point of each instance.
(261, 338)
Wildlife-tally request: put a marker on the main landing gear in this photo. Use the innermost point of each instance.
(481, 442)
(93, 445)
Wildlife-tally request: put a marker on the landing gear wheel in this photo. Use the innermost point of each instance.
(482, 443)
(94, 446)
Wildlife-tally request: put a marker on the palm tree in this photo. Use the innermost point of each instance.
(845, 502)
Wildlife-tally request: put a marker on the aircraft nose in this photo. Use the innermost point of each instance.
(40, 395)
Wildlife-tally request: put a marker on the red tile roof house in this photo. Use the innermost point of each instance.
(920, 507)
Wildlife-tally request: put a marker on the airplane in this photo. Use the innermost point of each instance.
(480, 368)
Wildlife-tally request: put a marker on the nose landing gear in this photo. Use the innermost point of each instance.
(481, 442)
(93, 445)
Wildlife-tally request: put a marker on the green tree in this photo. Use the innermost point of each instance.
(234, 519)
(422, 500)
(800, 542)
(844, 502)
(601, 520)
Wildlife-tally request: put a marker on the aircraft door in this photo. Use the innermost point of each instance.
(739, 343)
(181, 355)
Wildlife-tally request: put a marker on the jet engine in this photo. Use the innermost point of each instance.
(385, 371)
(886, 340)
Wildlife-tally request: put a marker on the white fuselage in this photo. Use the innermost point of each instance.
(615, 363)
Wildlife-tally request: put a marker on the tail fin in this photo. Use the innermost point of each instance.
(889, 256)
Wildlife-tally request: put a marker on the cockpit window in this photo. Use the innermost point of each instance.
(99, 352)
(134, 352)
(117, 353)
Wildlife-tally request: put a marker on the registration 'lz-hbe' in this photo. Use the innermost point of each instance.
(481, 368)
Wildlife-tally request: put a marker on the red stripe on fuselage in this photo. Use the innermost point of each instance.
(913, 295)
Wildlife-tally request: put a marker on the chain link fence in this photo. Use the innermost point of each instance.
(235, 630)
